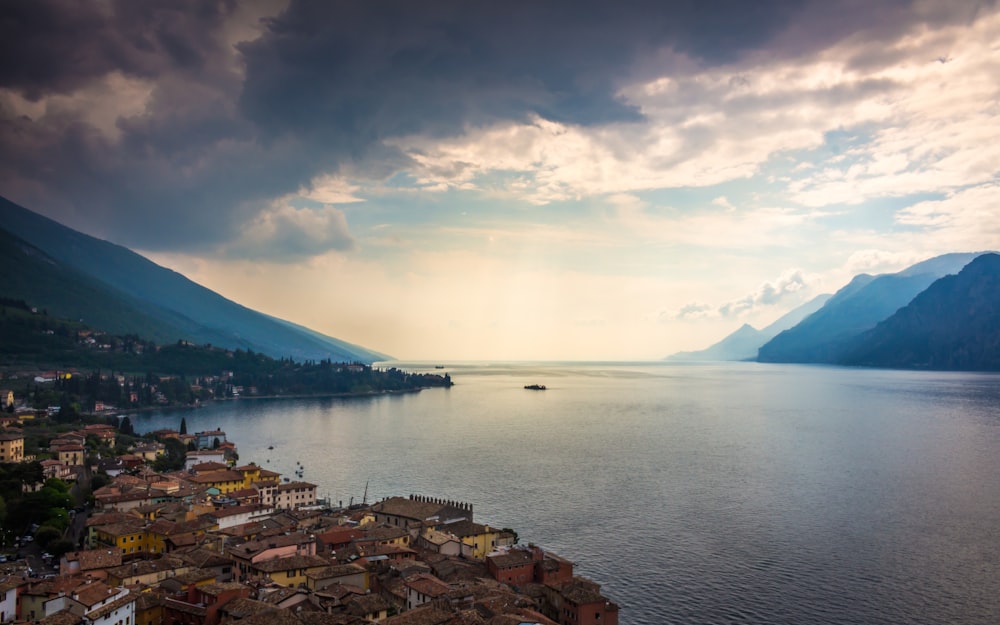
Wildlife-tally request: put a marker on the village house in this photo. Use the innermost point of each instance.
(149, 452)
(423, 588)
(207, 439)
(92, 563)
(192, 458)
(11, 446)
(224, 481)
(71, 455)
(204, 602)
(579, 602)
(289, 495)
(418, 511)
(8, 597)
(444, 543)
(146, 572)
(483, 539)
(350, 574)
(247, 555)
(288, 571)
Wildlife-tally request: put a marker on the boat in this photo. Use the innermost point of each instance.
(270, 446)
(535, 387)
(439, 366)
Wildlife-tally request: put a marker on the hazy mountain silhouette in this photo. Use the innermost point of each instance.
(745, 341)
(824, 336)
(953, 324)
(145, 298)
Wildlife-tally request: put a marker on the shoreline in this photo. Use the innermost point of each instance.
(145, 409)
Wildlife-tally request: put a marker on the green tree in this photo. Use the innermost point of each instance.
(45, 534)
(184, 426)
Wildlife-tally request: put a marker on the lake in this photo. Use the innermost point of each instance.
(707, 493)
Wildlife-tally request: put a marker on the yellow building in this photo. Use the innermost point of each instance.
(482, 538)
(251, 474)
(148, 609)
(11, 447)
(71, 455)
(225, 481)
(290, 571)
(128, 536)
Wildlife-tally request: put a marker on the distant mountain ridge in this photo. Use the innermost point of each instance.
(157, 300)
(953, 325)
(826, 335)
(744, 343)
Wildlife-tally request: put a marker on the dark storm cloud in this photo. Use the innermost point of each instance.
(368, 70)
(56, 46)
(225, 131)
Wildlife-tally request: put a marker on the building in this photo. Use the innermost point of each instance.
(579, 602)
(423, 588)
(71, 455)
(206, 440)
(418, 511)
(483, 539)
(287, 496)
(11, 446)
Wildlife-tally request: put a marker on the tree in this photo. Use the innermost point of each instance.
(125, 426)
(184, 426)
(216, 442)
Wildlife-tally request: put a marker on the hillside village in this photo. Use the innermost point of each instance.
(219, 541)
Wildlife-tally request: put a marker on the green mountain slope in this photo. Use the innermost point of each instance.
(171, 302)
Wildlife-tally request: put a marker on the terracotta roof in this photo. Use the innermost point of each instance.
(93, 559)
(62, 617)
(194, 576)
(145, 567)
(427, 585)
(338, 570)
(294, 485)
(288, 563)
(215, 477)
(517, 557)
(105, 610)
(423, 615)
(93, 593)
(205, 467)
(242, 607)
(464, 529)
(250, 549)
(218, 588)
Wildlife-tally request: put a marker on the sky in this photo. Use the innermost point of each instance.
(516, 180)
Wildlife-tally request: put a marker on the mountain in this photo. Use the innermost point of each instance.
(823, 336)
(745, 341)
(157, 302)
(33, 276)
(954, 324)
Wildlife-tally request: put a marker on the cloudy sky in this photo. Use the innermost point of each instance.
(511, 180)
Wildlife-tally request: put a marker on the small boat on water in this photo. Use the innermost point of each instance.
(270, 446)
(535, 387)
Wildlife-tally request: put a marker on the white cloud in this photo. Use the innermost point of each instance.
(967, 220)
(331, 189)
(930, 125)
(283, 233)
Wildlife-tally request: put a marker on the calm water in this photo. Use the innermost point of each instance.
(736, 493)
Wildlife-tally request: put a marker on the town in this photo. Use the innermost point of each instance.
(146, 540)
